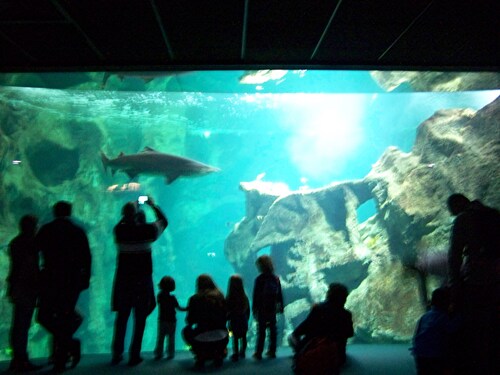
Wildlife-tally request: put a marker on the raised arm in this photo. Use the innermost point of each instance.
(161, 219)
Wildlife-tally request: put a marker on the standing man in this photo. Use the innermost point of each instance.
(474, 277)
(133, 285)
(22, 289)
(66, 273)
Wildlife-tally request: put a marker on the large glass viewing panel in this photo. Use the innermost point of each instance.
(341, 176)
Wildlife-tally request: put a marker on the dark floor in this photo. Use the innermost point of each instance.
(362, 359)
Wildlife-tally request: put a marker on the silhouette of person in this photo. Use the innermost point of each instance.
(22, 290)
(474, 278)
(267, 301)
(238, 313)
(65, 273)
(206, 331)
(433, 334)
(167, 320)
(328, 319)
(133, 284)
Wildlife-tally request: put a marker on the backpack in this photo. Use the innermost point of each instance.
(319, 357)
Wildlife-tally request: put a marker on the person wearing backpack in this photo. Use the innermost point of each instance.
(267, 301)
(474, 279)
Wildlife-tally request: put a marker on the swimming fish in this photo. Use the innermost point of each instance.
(153, 162)
(256, 77)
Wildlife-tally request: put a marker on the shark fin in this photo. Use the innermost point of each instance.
(131, 173)
(171, 178)
(105, 161)
(148, 149)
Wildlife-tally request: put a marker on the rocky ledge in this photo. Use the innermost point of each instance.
(316, 237)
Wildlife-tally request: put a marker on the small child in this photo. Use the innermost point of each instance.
(267, 301)
(238, 309)
(431, 345)
(166, 317)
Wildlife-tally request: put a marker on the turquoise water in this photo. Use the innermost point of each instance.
(333, 130)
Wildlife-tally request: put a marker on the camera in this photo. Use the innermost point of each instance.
(142, 199)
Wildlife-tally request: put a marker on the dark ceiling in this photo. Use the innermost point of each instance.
(86, 35)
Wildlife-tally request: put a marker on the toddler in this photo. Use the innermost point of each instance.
(166, 317)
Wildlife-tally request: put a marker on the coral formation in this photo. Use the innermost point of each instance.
(316, 238)
(436, 81)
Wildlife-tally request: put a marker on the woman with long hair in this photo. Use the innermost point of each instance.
(206, 331)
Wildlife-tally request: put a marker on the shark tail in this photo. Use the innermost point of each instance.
(105, 161)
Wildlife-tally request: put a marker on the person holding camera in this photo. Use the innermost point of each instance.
(133, 284)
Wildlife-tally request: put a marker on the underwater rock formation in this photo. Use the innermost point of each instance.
(315, 237)
(64, 162)
(436, 81)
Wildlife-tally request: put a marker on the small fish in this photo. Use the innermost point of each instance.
(260, 176)
(131, 186)
(152, 162)
(258, 77)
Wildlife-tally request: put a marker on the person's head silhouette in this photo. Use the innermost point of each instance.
(167, 284)
(457, 203)
(337, 294)
(62, 209)
(28, 224)
(129, 211)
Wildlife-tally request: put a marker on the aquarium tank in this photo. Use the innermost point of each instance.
(341, 176)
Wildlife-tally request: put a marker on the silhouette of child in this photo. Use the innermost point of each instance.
(267, 301)
(238, 309)
(167, 319)
(431, 341)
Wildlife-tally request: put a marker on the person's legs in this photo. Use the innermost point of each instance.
(160, 339)
(21, 321)
(171, 326)
(479, 327)
(22, 315)
(75, 352)
(235, 355)
(478, 331)
(261, 336)
(119, 334)
(429, 366)
(243, 347)
(273, 336)
(68, 322)
(62, 341)
(140, 315)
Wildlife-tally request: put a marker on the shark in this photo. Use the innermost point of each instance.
(146, 77)
(152, 162)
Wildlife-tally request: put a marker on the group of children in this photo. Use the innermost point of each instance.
(267, 302)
